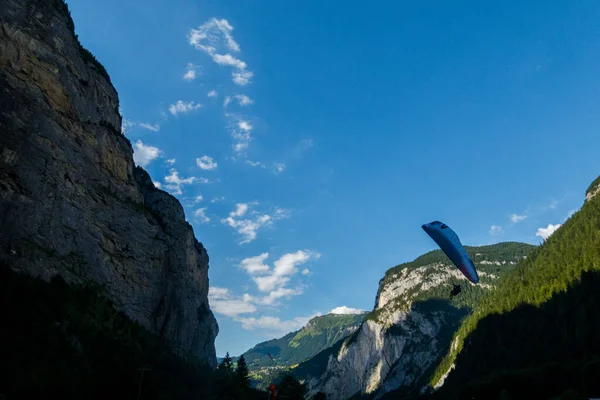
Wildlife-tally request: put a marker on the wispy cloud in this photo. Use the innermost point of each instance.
(183, 108)
(126, 125)
(278, 167)
(516, 218)
(274, 280)
(218, 199)
(268, 279)
(302, 147)
(200, 215)
(212, 93)
(206, 163)
(241, 131)
(198, 199)
(255, 163)
(170, 161)
(242, 78)
(190, 72)
(154, 128)
(157, 184)
(546, 232)
(215, 38)
(346, 310)
(175, 184)
(222, 302)
(144, 154)
(243, 100)
(248, 226)
(496, 230)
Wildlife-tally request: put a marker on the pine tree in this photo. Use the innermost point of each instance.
(242, 373)
(224, 379)
(226, 366)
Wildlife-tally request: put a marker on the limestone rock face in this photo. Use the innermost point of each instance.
(72, 202)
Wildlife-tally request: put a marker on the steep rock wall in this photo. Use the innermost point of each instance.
(71, 200)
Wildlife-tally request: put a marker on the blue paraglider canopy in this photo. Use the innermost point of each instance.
(450, 244)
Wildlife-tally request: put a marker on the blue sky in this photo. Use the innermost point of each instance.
(309, 142)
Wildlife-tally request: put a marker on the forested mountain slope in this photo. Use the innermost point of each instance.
(537, 333)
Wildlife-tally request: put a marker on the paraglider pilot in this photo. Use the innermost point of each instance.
(455, 291)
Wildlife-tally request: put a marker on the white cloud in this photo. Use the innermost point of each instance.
(190, 72)
(182, 107)
(495, 230)
(156, 184)
(278, 167)
(215, 39)
(228, 59)
(255, 264)
(249, 226)
(150, 127)
(238, 147)
(240, 210)
(255, 163)
(217, 199)
(515, 218)
(171, 161)
(546, 232)
(206, 163)
(198, 198)
(245, 126)
(274, 279)
(144, 154)
(212, 93)
(175, 183)
(222, 302)
(241, 131)
(243, 100)
(275, 325)
(226, 101)
(305, 271)
(346, 310)
(200, 214)
(242, 78)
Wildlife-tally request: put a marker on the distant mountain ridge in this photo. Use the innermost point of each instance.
(317, 335)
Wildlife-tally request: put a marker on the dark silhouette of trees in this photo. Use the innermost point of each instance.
(320, 396)
(242, 374)
(290, 388)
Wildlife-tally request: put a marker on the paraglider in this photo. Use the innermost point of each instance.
(450, 244)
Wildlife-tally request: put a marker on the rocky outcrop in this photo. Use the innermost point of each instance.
(410, 328)
(593, 190)
(71, 200)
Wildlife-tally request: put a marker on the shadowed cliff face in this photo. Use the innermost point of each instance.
(71, 200)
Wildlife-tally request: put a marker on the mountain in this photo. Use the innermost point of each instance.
(318, 334)
(401, 341)
(536, 335)
(73, 204)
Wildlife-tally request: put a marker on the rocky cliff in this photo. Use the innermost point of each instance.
(399, 343)
(71, 200)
